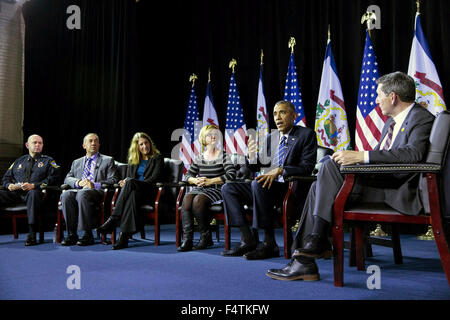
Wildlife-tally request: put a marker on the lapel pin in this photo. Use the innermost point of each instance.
(403, 129)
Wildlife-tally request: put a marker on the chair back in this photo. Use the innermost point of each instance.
(121, 169)
(173, 173)
(321, 153)
(438, 154)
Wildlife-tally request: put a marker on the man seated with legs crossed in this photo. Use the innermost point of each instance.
(289, 151)
(404, 139)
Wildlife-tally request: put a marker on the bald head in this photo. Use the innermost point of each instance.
(34, 144)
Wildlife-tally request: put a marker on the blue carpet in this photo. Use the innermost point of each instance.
(145, 271)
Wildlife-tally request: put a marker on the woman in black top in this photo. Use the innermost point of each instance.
(145, 166)
(208, 172)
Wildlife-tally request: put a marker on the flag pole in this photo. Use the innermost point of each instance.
(418, 6)
(367, 17)
(262, 57)
(291, 44)
(192, 79)
(209, 75)
(232, 64)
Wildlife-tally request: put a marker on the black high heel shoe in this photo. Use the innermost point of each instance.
(108, 226)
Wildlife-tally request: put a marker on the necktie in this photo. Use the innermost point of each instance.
(87, 169)
(27, 175)
(390, 132)
(282, 148)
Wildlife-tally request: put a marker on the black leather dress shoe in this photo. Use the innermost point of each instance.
(316, 247)
(86, 240)
(31, 239)
(70, 240)
(186, 246)
(299, 268)
(240, 250)
(122, 243)
(108, 226)
(263, 251)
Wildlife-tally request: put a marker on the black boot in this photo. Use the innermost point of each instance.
(187, 221)
(108, 227)
(205, 241)
(122, 242)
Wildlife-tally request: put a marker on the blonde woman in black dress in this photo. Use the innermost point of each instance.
(209, 170)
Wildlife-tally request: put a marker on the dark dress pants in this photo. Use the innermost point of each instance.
(133, 194)
(33, 199)
(236, 195)
(321, 195)
(81, 208)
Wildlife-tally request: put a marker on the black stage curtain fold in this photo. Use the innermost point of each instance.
(127, 69)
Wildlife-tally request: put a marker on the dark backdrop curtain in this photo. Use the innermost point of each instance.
(127, 69)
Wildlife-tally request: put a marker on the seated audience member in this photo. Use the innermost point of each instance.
(23, 180)
(210, 169)
(79, 204)
(289, 151)
(404, 139)
(145, 167)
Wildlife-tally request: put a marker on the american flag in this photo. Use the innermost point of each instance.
(235, 129)
(292, 92)
(421, 68)
(190, 145)
(369, 119)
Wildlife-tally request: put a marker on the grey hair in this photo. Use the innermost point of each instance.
(399, 83)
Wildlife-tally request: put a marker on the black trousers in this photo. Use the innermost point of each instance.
(236, 195)
(133, 194)
(33, 199)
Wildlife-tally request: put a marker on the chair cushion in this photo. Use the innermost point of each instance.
(15, 208)
(147, 207)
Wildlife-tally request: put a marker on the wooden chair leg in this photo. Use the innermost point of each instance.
(41, 230)
(157, 237)
(227, 236)
(338, 254)
(14, 225)
(352, 256)
(396, 247)
(359, 242)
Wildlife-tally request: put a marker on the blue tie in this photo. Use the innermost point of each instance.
(282, 148)
(87, 169)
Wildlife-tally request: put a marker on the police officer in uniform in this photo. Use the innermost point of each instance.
(23, 180)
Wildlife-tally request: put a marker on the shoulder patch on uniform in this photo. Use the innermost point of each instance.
(53, 164)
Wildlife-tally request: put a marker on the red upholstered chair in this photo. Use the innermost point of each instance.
(19, 211)
(436, 171)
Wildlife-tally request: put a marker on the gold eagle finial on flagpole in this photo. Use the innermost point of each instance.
(418, 6)
(329, 34)
(367, 17)
(291, 44)
(232, 64)
(262, 57)
(192, 78)
(209, 75)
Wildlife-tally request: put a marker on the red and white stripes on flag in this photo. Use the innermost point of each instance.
(190, 145)
(421, 67)
(209, 112)
(235, 128)
(262, 118)
(369, 118)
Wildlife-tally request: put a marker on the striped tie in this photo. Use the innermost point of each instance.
(87, 169)
(282, 148)
(388, 141)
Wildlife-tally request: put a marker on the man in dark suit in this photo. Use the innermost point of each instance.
(291, 150)
(24, 178)
(404, 139)
(85, 178)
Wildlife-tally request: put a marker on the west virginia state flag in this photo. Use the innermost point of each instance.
(331, 119)
(429, 91)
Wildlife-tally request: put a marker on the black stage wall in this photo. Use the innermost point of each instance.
(127, 69)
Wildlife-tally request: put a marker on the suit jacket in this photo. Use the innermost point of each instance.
(153, 171)
(104, 172)
(301, 152)
(410, 146)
